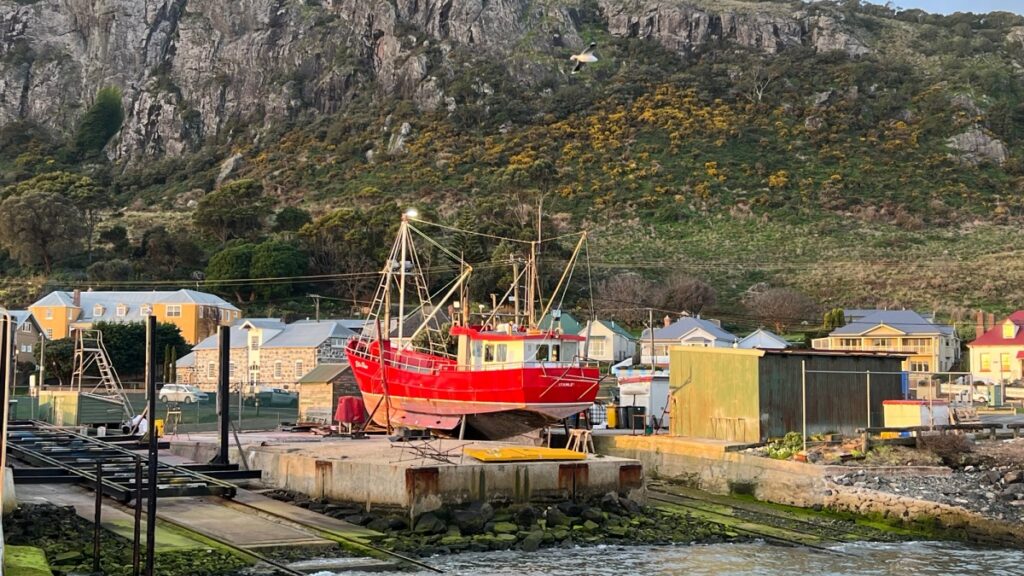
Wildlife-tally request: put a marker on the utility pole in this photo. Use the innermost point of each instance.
(316, 303)
(650, 322)
(515, 288)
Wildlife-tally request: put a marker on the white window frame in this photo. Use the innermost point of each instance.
(146, 309)
(299, 369)
(49, 333)
(597, 347)
(278, 369)
(254, 341)
(231, 370)
(174, 310)
(121, 311)
(49, 313)
(211, 370)
(98, 310)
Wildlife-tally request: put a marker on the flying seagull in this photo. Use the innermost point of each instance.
(585, 57)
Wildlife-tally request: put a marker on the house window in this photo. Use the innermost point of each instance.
(27, 348)
(254, 341)
(338, 342)
(298, 369)
(986, 362)
(49, 333)
(174, 310)
(502, 352)
(919, 366)
(597, 347)
(661, 350)
(231, 369)
(147, 309)
(49, 313)
(26, 327)
(1004, 361)
(882, 343)
(97, 310)
(211, 370)
(122, 310)
(849, 343)
(278, 370)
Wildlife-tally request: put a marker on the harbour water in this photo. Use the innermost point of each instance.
(754, 559)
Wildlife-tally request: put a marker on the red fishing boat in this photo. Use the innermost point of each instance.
(495, 378)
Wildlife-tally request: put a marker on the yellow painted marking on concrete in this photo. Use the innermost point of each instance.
(523, 454)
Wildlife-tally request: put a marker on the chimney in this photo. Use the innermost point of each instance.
(991, 321)
(76, 298)
(667, 321)
(979, 327)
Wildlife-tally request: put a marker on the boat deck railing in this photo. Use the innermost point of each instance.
(431, 366)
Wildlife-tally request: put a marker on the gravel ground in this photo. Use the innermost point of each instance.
(992, 484)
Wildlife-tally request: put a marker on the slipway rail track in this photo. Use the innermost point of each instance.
(770, 523)
(61, 455)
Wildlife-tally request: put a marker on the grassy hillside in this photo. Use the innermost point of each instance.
(824, 172)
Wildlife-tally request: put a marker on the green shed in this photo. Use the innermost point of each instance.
(754, 395)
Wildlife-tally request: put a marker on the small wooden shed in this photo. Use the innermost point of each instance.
(754, 395)
(320, 389)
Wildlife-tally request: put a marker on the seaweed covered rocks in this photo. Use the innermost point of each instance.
(482, 526)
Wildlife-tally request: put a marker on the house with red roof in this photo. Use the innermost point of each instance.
(998, 354)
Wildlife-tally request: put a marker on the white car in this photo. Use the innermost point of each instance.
(182, 393)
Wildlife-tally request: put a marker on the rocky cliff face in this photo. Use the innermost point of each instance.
(190, 70)
(684, 27)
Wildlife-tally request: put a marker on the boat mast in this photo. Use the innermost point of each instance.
(403, 237)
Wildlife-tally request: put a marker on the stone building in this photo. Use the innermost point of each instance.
(267, 353)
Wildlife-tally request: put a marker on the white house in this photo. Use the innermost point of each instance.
(762, 339)
(686, 331)
(608, 342)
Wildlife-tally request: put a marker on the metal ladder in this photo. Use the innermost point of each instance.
(89, 352)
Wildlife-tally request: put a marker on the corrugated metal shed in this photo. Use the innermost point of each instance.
(754, 395)
(836, 402)
(714, 394)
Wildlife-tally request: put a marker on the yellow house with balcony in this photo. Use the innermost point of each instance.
(998, 354)
(929, 347)
(196, 314)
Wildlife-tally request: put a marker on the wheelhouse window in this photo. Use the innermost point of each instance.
(489, 353)
(502, 353)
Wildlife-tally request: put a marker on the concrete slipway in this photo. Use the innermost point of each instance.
(414, 476)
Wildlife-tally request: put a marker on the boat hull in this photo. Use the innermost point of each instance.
(496, 403)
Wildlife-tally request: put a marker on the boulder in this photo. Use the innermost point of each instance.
(1013, 477)
(976, 146)
(473, 520)
(555, 518)
(526, 516)
(533, 541)
(430, 524)
(570, 508)
(505, 528)
(593, 514)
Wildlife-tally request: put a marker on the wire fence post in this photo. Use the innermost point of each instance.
(803, 399)
(869, 398)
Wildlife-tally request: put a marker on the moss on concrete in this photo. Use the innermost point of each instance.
(25, 561)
